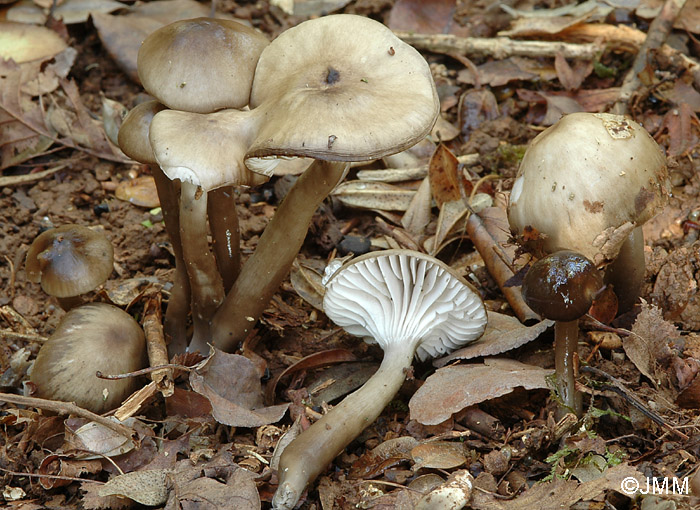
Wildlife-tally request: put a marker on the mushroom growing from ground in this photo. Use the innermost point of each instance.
(588, 183)
(69, 260)
(411, 305)
(337, 89)
(202, 65)
(134, 142)
(562, 287)
(91, 338)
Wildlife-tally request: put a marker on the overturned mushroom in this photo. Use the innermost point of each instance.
(562, 287)
(337, 89)
(70, 260)
(588, 183)
(91, 338)
(411, 305)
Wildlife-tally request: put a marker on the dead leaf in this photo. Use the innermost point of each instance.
(503, 333)
(444, 175)
(140, 191)
(24, 43)
(647, 345)
(571, 78)
(61, 465)
(232, 385)
(434, 17)
(339, 380)
(438, 455)
(476, 107)
(451, 389)
(70, 12)
(418, 214)
(147, 486)
(95, 441)
(307, 283)
(374, 195)
(683, 128)
(500, 72)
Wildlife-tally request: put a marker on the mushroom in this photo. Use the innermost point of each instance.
(69, 260)
(133, 141)
(588, 183)
(562, 287)
(202, 65)
(91, 338)
(339, 88)
(411, 305)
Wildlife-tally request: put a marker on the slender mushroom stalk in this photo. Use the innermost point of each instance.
(562, 287)
(613, 180)
(411, 305)
(279, 244)
(133, 140)
(70, 260)
(226, 234)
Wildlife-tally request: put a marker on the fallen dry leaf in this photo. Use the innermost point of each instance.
(232, 385)
(451, 389)
(438, 455)
(140, 191)
(24, 43)
(444, 175)
(503, 333)
(374, 195)
(70, 12)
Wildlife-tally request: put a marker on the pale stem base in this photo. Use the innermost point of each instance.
(565, 351)
(626, 272)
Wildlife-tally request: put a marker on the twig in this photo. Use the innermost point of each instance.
(143, 371)
(498, 47)
(6, 334)
(155, 342)
(618, 387)
(13, 274)
(657, 34)
(409, 174)
(13, 180)
(67, 408)
(52, 477)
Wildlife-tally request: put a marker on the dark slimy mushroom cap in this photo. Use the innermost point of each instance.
(70, 260)
(562, 286)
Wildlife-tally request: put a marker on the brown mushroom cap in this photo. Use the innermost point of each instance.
(200, 65)
(562, 285)
(133, 133)
(90, 338)
(586, 182)
(341, 88)
(70, 260)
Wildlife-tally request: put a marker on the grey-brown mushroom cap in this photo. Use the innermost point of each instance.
(341, 88)
(200, 65)
(204, 149)
(90, 338)
(403, 297)
(586, 182)
(133, 133)
(70, 260)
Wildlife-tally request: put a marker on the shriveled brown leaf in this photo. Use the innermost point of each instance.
(503, 71)
(434, 17)
(148, 486)
(444, 176)
(476, 107)
(438, 455)
(388, 454)
(306, 281)
(24, 43)
(647, 345)
(140, 191)
(418, 214)
(232, 385)
(374, 195)
(339, 380)
(62, 465)
(451, 389)
(570, 77)
(70, 12)
(503, 333)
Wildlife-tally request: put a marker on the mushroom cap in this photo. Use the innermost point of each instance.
(70, 260)
(586, 182)
(399, 297)
(200, 65)
(341, 88)
(133, 133)
(204, 149)
(90, 338)
(562, 285)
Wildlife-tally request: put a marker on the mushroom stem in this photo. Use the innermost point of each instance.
(565, 351)
(175, 322)
(223, 221)
(311, 452)
(205, 282)
(626, 272)
(279, 244)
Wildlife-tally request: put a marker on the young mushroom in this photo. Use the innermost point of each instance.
(562, 287)
(91, 338)
(339, 88)
(69, 260)
(133, 141)
(588, 183)
(411, 305)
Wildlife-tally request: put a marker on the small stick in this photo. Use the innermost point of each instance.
(6, 334)
(155, 342)
(656, 36)
(14, 180)
(67, 408)
(618, 387)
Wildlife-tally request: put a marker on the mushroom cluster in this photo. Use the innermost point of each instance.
(335, 89)
(412, 305)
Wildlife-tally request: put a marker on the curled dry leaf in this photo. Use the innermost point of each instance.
(24, 43)
(148, 487)
(451, 389)
(374, 195)
(70, 12)
(232, 384)
(503, 333)
(438, 455)
(140, 191)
